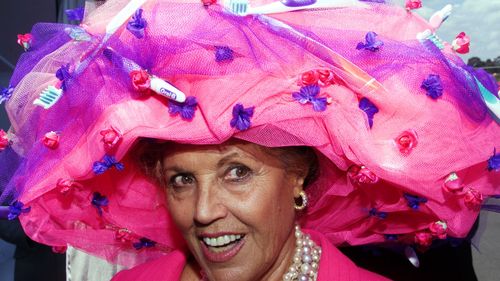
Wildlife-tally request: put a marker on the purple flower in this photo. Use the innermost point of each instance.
(241, 117)
(144, 243)
(223, 53)
(308, 94)
(63, 75)
(494, 161)
(433, 86)
(185, 109)
(6, 93)
(369, 108)
(381, 215)
(16, 209)
(372, 43)
(75, 14)
(99, 167)
(99, 201)
(391, 237)
(137, 24)
(414, 201)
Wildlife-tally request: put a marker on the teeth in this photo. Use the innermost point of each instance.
(221, 240)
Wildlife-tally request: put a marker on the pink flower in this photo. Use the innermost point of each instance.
(453, 184)
(51, 140)
(25, 40)
(123, 235)
(423, 238)
(361, 175)
(308, 78)
(461, 43)
(66, 185)
(439, 229)
(4, 140)
(413, 4)
(406, 141)
(325, 77)
(140, 80)
(473, 199)
(59, 249)
(208, 2)
(110, 137)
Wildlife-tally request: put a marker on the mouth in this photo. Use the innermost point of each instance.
(221, 248)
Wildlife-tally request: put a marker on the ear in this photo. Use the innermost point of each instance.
(297, 182)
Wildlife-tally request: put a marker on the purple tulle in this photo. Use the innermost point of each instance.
(99, 201)
(75, 14)
(371, 44)
(185, 109)
(309, 94)
(369, 108)
(137, 24)
(16, 209)
(241, 117)
(494, 161)
(414, 201)
(432, 84)
(223, 53)
(144, 243)
(6, 93)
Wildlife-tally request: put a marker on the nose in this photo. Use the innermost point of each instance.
(209, 206)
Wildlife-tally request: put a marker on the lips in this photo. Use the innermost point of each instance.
(221, 247)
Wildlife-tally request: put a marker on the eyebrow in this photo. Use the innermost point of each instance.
(221, 163)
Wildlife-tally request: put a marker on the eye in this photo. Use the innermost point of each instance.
(238, 173)
(181, 180)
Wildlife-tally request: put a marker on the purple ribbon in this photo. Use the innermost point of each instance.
(144, 243)
(381, 215)
(414, 201)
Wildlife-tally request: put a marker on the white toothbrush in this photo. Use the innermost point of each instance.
(48, 97)
(243, 8)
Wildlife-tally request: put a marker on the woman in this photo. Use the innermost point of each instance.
(405, 143)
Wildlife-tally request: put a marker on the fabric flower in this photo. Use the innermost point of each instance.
(423, 238)
(406, 141)
(494, 161)
(309, 94)
(185, 109)
(66, 185)
(473, 199)
(140, 80)
(361, 175)
(110, 137)
(372, 43)
(99, 201)
(325, 77)
(25, 40)
(374, 213)
(413, 4)
(6, 93)
(461, 43)
(51, 140)
(16, 209)
(75, 14)
(144, 243)
(432, 84)
(241, 117)
(308, 78)
(59, 249)
(438, 229)
(4, 140)
(123, 235)
(453, 183)
(207, 3)
(414, 201)
(108, 162)
(223, 53)
(369, 108)
(63, 75)
(137, 24)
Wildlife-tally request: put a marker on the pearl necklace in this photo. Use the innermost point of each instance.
(305, 261)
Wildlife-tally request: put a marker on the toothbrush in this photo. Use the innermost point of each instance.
(243, 8)
(440, 16)
(157, 84)
(48, 97)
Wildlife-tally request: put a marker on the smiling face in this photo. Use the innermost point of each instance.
(234, 205)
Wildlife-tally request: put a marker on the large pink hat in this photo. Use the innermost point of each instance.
(405, 132)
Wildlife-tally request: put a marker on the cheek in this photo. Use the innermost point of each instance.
(181, 211)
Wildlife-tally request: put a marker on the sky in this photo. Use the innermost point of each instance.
(479, 19)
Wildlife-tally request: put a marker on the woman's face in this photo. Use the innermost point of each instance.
(234, 205)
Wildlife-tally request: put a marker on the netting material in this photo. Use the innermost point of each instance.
(455, 133)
